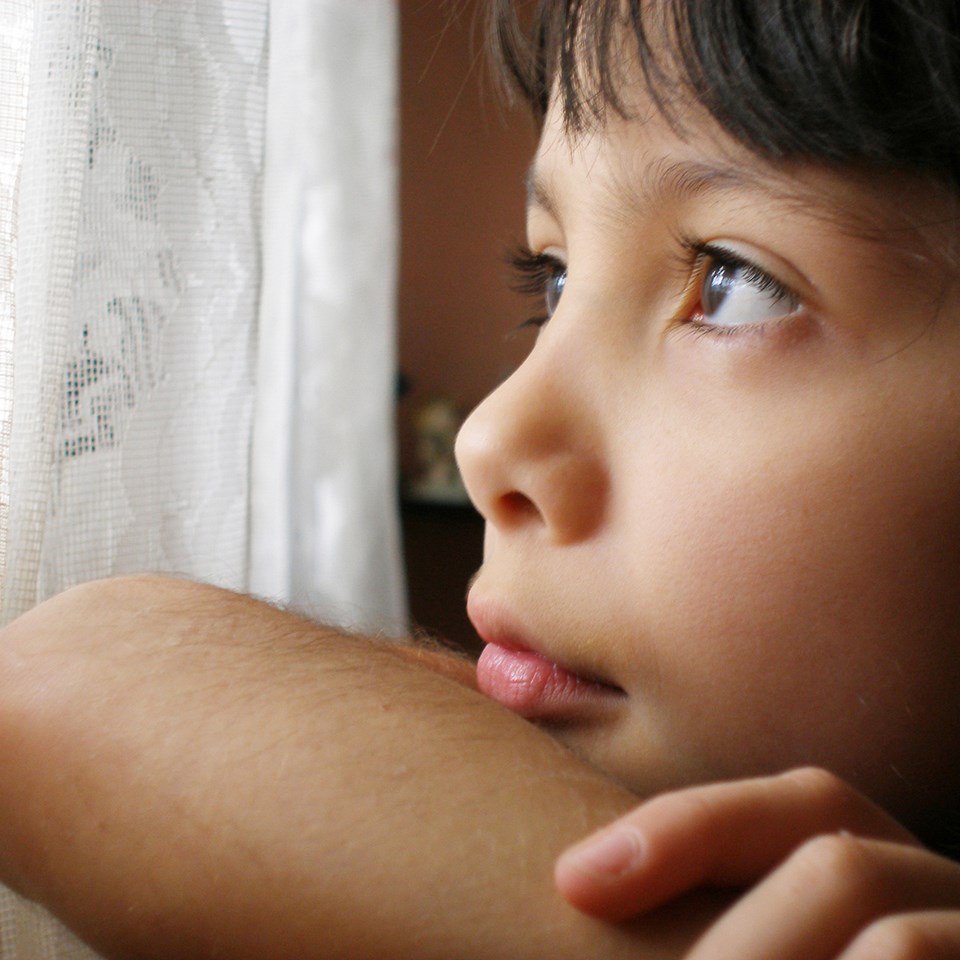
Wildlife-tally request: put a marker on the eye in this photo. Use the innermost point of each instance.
(540, 275)
(553, 288)
(736, 293)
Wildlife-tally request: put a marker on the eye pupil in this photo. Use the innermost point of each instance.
(553, 290)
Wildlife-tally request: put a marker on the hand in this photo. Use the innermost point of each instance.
(828, 874)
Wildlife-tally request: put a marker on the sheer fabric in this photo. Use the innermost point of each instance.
(324, 529)
(196, 283)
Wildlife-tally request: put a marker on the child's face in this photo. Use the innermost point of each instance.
(723, 491)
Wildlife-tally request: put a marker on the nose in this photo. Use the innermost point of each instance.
(531, 456)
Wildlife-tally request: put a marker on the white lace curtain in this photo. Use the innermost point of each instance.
(197, 259)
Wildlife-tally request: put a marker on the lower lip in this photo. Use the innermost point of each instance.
(536, 688)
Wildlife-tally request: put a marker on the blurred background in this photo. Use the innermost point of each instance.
(463, 159)
(251, 281)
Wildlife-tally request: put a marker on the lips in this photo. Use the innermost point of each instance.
(511, 672)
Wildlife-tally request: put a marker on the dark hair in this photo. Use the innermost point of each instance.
(839, 82)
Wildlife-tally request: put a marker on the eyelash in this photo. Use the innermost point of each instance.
(703, 252)
(530, 274)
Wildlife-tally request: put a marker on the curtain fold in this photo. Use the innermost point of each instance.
(197, 273)
(324, 531)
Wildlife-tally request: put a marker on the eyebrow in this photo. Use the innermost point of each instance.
(665, 179)
(669, 180)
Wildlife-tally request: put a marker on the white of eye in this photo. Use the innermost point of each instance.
(735, 293)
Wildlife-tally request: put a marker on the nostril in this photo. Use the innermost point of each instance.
(517, 508)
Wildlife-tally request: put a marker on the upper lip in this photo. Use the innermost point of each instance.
(496, 626)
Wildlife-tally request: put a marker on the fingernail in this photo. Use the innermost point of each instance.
(612, 853)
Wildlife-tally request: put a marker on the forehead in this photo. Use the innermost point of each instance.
(636, 165)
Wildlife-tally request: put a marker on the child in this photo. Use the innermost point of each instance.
(723, 492)
(723, 541)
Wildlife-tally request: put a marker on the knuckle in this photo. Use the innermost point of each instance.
(694, 808)
(814, 780)
(825, 791)
(837, 862)
(819, 785)
(838, 806)
(896, 938)
(698, 807)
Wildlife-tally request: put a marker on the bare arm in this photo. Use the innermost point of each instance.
(199, 774)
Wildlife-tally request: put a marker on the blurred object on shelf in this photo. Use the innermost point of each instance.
(437, 480)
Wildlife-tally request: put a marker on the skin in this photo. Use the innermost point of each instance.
(775, 508)
(773, 505)
(826, 873)
(710, 555)
(201, 775)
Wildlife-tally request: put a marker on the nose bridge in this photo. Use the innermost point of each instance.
(531, 454)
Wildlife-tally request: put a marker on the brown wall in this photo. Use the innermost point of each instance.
(463, 156)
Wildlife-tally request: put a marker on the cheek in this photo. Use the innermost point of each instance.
(800, 577)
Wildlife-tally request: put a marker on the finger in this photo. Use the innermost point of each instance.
(815, 905)
(727, 834)
(928, 935)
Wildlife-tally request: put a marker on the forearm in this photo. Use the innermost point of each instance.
(200, 774)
